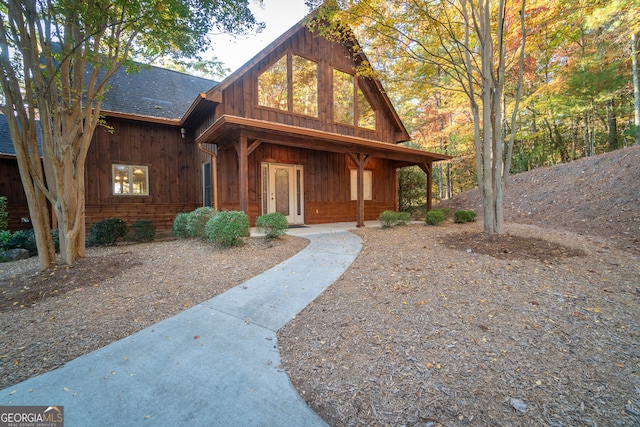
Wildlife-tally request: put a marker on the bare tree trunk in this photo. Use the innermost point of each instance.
(612, 125)
(635, 43)
(587, 144)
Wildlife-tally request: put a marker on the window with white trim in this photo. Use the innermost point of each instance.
(130, 180)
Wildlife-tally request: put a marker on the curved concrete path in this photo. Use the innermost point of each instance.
(216, 364)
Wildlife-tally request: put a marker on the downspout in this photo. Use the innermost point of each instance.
(214, 158)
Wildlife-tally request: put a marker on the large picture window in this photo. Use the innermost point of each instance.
(305, 86)
(130, 180)
(272, 86)
(343, 105)
(350, 105)
(290, 84)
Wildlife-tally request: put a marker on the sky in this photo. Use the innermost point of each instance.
(278, 16)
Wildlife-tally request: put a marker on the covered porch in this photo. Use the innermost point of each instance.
(244, 136)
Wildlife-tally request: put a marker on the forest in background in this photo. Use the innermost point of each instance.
(577, 94)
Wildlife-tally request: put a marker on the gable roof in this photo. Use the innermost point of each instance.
(215, 93)
(153, 92)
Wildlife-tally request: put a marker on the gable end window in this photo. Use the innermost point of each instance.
(290, 84)
(130, 180)
(350, 105)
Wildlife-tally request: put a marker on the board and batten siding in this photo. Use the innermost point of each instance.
(240, 97)
(327, 185)
(174, 171)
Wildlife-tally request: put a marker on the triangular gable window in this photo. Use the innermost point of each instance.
(290, 84)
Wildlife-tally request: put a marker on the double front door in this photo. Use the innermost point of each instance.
(283, 191)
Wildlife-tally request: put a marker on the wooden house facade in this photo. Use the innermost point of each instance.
(295, 130)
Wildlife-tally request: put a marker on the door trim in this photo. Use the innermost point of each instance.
(296, 190)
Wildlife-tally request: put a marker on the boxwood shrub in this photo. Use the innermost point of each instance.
(436, 217)
(106, 232)
(197, 220)
(180, 225)
(273, 224)
(228, 228)
(144, 230)
(391, 218)
(462, 216)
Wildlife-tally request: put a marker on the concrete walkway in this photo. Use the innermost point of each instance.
(216, 364)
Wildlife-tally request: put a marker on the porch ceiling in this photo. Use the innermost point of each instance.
(281, 134)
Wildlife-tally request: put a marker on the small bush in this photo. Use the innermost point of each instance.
(55, 235)
(197, 220)
(228, 228)
(391, 218)
(436, 217)
(403, 218)
(274, 224)
(180, 225)
(23, 239)
(144, 230)
(106, 232)
(4, 215)
(462, 216)
(5, 236)
(387, 218)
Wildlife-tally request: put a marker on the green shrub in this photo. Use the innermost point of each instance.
(228, 228)
(462, 216)
(5, 236)
(106, 232)
(391, 218)
(436, 217)
(403, 218)
(180, 225)
(387, 218)
(197, 220)
(274, 224)
(55, 235)
(144, 230)
(23, 239)
(4, 215)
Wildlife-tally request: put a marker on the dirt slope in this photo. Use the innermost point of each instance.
(599, 196)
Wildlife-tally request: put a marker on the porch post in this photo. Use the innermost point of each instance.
(359, 160)
(360, 202)
(243, 173)
(427, 168)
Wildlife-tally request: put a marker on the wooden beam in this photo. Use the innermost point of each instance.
(255, 144)
(427, 168)
(243, 172)
(360, 159)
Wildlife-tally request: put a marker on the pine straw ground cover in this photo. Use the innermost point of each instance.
(434, 326)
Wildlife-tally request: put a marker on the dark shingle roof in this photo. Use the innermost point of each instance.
(6, 146)
(153, 92)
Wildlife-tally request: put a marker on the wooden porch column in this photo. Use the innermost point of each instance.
(360, 160)
(427, 168)
(243, 172)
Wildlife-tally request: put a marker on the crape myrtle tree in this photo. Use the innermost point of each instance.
(56, 58)
(471, 46)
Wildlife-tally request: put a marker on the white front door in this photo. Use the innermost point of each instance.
(284, 191)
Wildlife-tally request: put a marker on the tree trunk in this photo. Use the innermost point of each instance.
(635, 43)
(587, 144)
(612, 125)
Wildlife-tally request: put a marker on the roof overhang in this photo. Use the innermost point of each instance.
(281, 134)
(140, 117)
